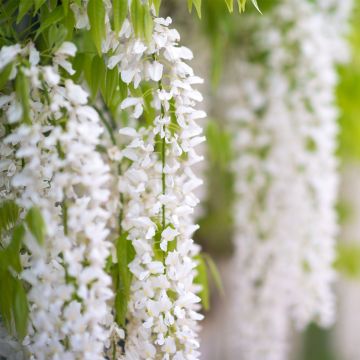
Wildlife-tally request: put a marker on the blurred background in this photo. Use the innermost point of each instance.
(214, 39)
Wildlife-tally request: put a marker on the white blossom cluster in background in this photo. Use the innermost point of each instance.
(284, 118)
(141, 184)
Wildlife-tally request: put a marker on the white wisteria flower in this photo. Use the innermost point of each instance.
(157, 186)
(64, 176)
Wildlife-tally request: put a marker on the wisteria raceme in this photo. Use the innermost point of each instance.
(64, 176)
(284, 118)
(157, 188)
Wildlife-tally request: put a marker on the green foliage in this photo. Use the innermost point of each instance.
(156, 4)
(9, 214)
(206, 271)
(318, 344)
(141, 19)
(214, 272)
(36, 224)
(348, 259)
(22, 92)
(197, 5)
(216, 225)
(229, 4)
(120, 8)
(202, 280)
(94, 72)
(96, 14)
(49, 18)
(13, 302)
(348, 95)
(122, 277)
(24, 7)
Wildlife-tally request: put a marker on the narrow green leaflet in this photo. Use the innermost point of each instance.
(256, 5)
(52, 18)
(197, 4)
(136, 13)
(9, 214)
(38, 4)
(112, 82)
(20, 310)
(22, 92)
(120, 9)
(65, 4)
(13, 250)
(4, 75)
(6, 298)
(156, 4)
(125, 254)
(148, 23)
(230, 4)
(96, 14)
(214, 273)
(24, 7)
(94, 74)
(13, 301)
(202, 279)
(189, 4)
(36, 224)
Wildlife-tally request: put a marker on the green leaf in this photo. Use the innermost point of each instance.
(65, 4)
(9, 215)
(148, 24)
(202, 279)
(94, 74)
(158, 252)
(38, 4)
(24, 7)
(256, 6)
(214, 273)
(348, 259)
(112, 81)
(241, 5)
(7, 9)
(96, 14)
(230, 4)
(120, 9)
(69, 24)
(4, 75)
(197, 4)
(157, 4)
(36, 224)
(56, 36)
(6, 298)
(21, 310)
(52, 18)
(22, 92)
(189, 5)
(13, 250)
(137, 16)
(125, 254)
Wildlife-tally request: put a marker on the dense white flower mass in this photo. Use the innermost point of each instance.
(141, 188)
(64, 176)
(157, 186)
(284, 118)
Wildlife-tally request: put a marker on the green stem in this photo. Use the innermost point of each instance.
(107, 125)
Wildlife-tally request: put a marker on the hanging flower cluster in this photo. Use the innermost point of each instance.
(63, 175)
(158, 189)
(101, 191)
(284, 118)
